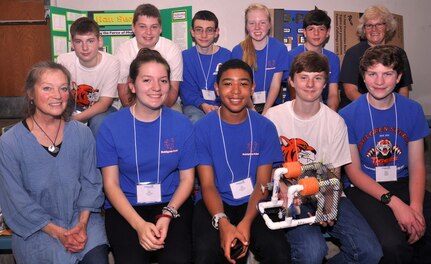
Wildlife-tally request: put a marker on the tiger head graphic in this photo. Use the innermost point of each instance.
(296, 149)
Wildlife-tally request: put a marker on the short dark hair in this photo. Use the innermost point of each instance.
(145, 55)
(234, 64)
(309, 61)
(388, 55)
(148, 10)
(316, 17)
(205, 15)
(34, 75)
(84, 25)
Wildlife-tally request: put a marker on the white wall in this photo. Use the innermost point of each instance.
(417, 25)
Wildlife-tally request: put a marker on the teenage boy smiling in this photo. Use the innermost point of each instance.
(201, 65)
(94, 74)
(236, 151)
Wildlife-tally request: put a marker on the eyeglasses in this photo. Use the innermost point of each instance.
(208, 31)
(377, 26)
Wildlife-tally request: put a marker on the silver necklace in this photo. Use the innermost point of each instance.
(52, 148)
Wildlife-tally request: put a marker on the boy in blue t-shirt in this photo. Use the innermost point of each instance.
(236, 151)
(201, 64)
(386, 137)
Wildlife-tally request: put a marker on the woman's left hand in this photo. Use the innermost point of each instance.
(76, 238)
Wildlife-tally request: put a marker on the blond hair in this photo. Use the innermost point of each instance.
(248, 50)
(376, 12)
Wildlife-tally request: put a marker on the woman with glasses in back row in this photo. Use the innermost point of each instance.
(376, 26)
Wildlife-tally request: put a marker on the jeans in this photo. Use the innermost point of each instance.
(382, 220)
(193, 113)
(98, 255)
(95, 122)
(358, 242)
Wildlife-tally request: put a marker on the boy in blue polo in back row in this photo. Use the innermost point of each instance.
(201, 64)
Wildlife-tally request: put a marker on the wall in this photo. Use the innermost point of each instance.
(21, 46)
(417, 25)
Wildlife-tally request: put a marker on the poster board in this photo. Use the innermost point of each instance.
(345, 25)
(293, 28)
(116, 27)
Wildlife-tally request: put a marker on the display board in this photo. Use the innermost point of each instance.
(293, 28)
(116, 27)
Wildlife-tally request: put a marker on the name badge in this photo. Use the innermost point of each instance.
(241, 188)
(148, 193)
(209, 95)
(386, 173)
(259, 97)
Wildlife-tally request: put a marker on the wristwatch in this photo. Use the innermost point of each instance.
(386, 198)
(216, 219)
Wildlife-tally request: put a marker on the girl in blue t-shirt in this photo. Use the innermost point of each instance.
(147, 156)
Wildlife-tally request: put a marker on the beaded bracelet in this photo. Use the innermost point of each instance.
(171, 210)
(162, 215)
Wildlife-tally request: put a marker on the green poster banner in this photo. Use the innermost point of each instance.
(116, 27)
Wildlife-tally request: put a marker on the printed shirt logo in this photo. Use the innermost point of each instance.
(271, 64)
(169, 144)
(85, 95)
(383, 153)
(301, 151)
(252, 152)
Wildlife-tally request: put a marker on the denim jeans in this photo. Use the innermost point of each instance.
(358, 242)
(95, 122)
(193, 113)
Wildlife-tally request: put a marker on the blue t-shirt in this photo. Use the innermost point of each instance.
(209, 143)
(334, 66)
(194, 79)
(412, 126)
(116, 146)
(277, 61)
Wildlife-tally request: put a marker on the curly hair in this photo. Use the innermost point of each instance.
(376, 12)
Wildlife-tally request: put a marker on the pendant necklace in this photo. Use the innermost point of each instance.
(52, 148)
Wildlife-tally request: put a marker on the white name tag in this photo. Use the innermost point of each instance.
(148, 193)
(259, 97)
(241, 188)
(386, 173)
(209, 95)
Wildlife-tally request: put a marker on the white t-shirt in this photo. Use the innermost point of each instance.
(92, 83)
(321, 138)
(128, 50)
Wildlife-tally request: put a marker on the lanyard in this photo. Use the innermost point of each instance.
(372, 127)
(136, 148)
(264, 66)
(209, 67)
(224, 145)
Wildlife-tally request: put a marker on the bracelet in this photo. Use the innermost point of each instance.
(171, 210)
(162, 215)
